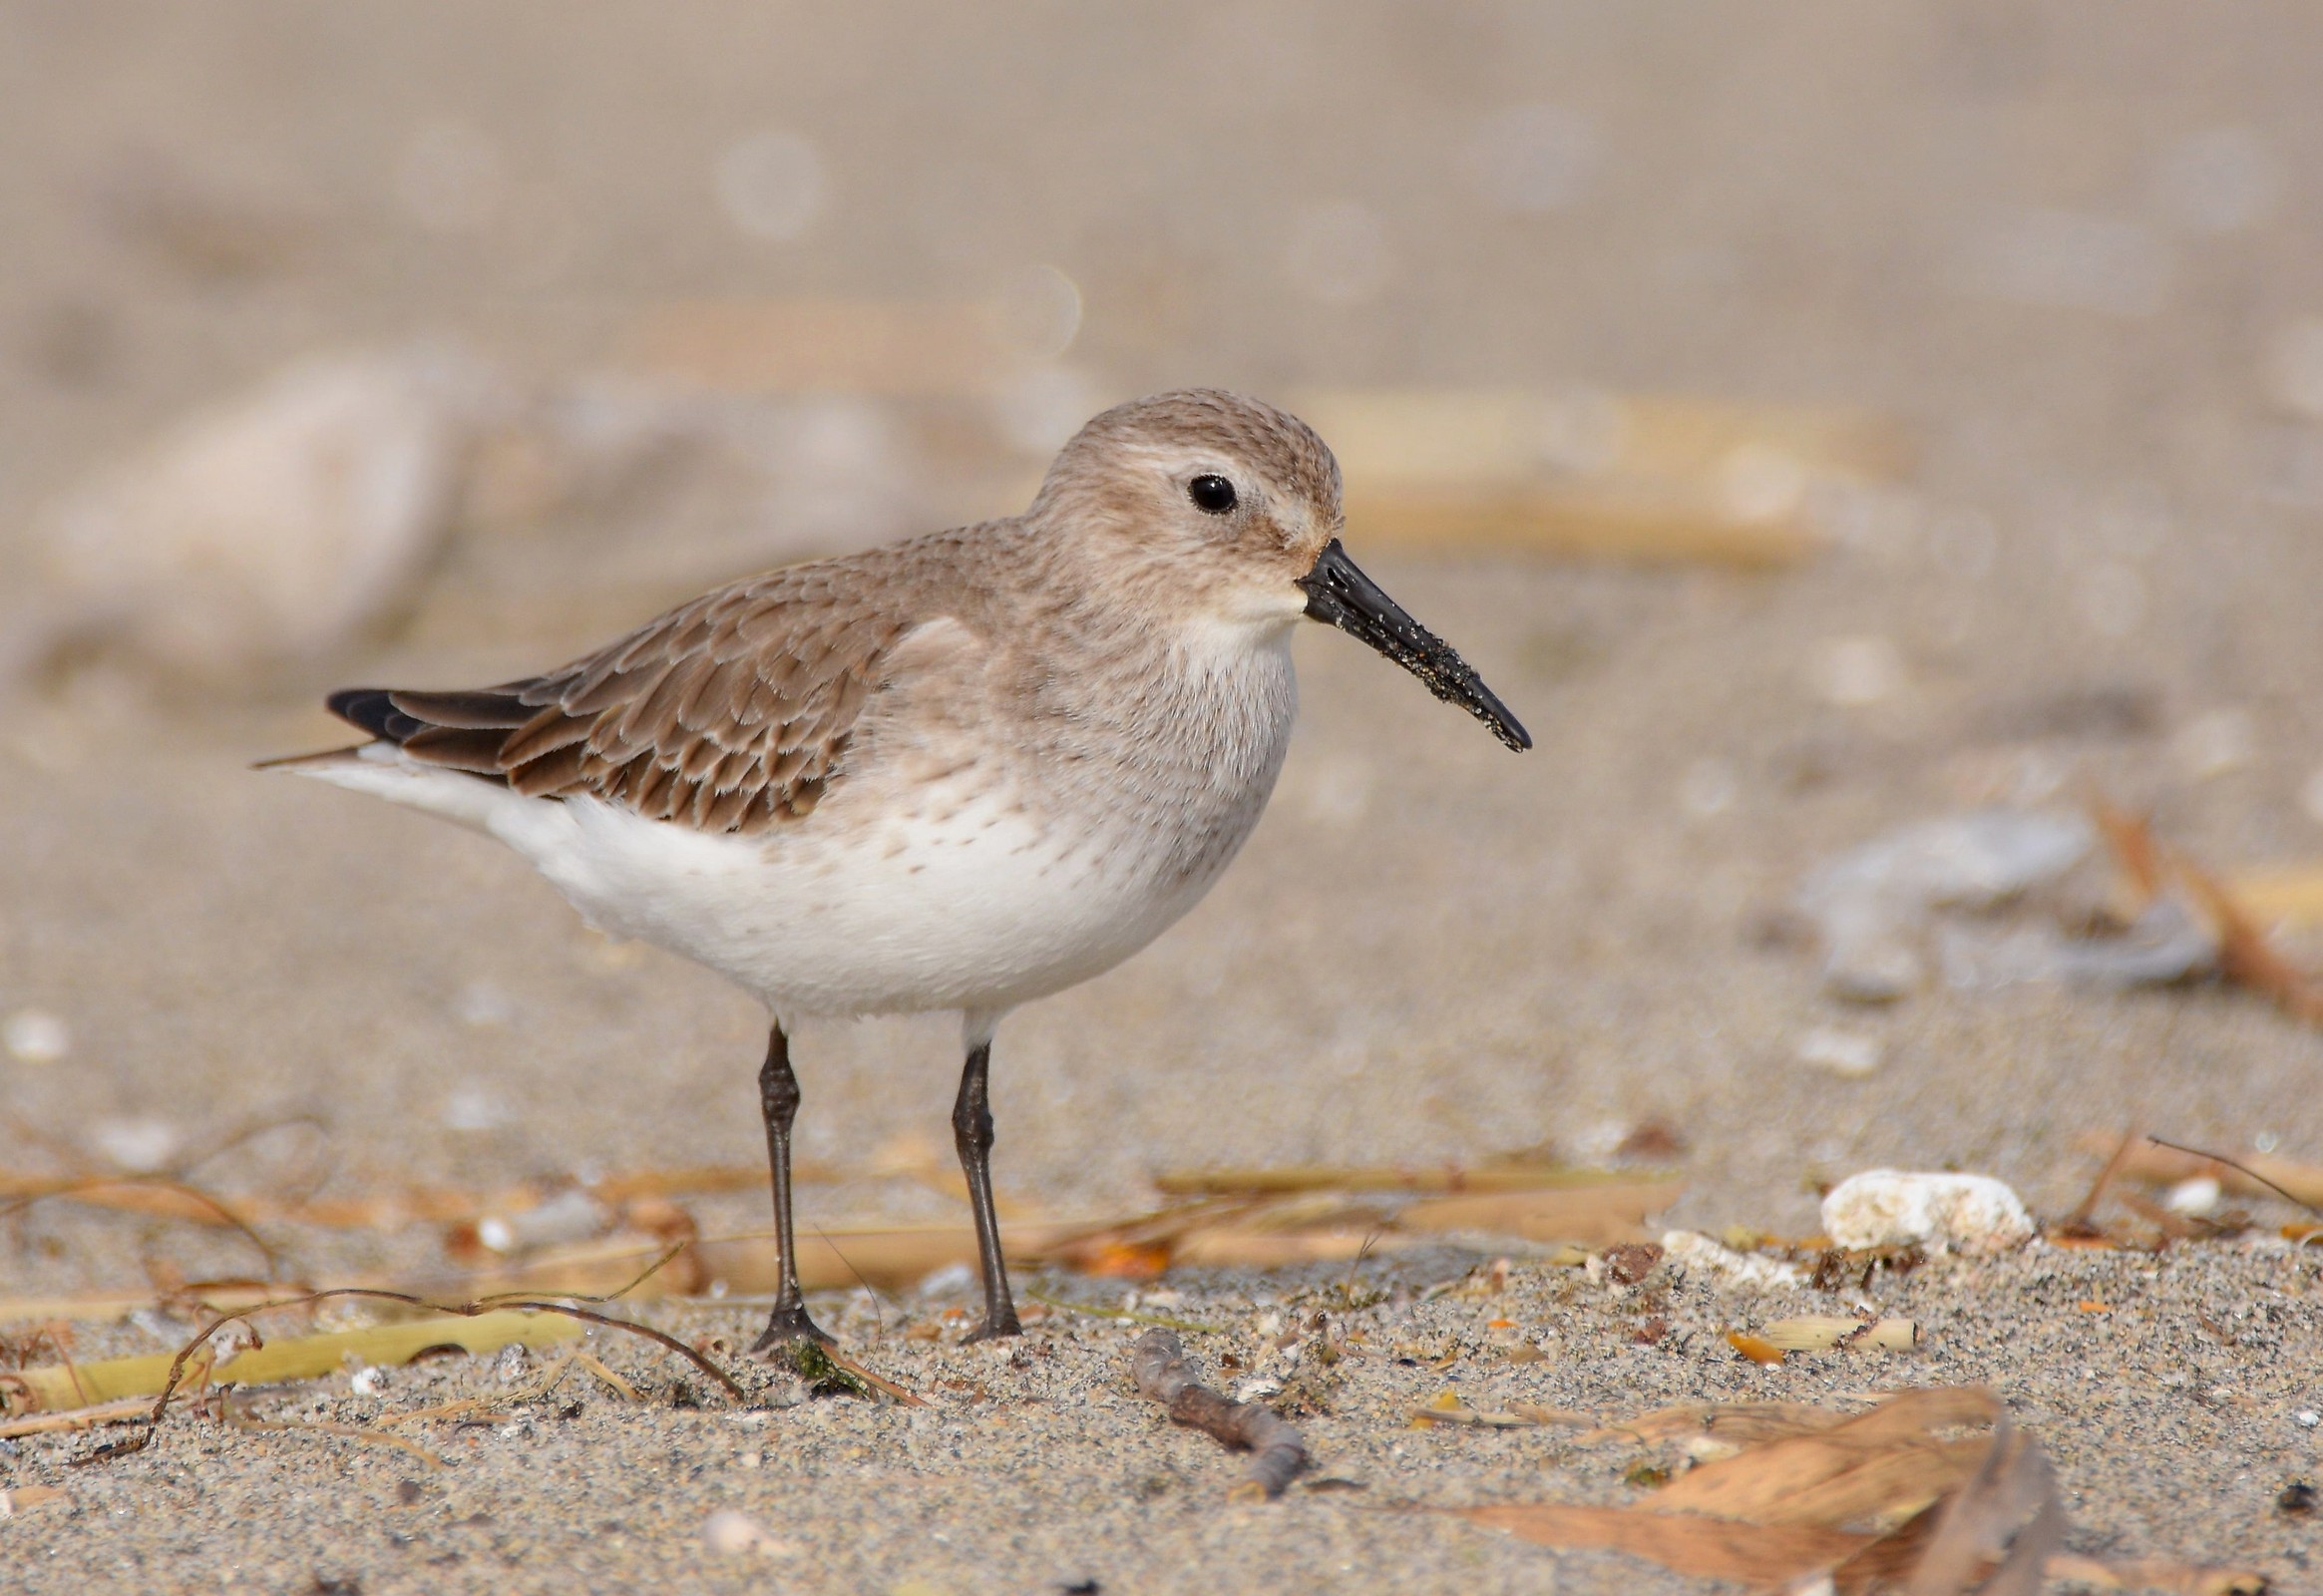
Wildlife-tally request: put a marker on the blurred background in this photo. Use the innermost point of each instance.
(1815, 420)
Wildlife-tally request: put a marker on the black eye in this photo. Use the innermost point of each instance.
(1212, 496)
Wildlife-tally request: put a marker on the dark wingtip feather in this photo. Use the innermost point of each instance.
(485, 710)
(372, 709)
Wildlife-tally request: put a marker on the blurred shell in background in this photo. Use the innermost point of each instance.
(272, 527)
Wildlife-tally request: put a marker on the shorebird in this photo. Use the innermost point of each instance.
(955, 773)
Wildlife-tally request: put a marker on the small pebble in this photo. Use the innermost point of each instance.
(2195, 1198)
(138, 1145)
(1758, 481)
(1849, 1053)
(1854, 671)
(568, 1216)
(36, 1036)
(482, 1005)
(1707, 789)
(950, 1281)
(2216, 744)
(733, 1532)
(472, 1108)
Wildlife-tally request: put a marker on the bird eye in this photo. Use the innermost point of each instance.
(1212, 495)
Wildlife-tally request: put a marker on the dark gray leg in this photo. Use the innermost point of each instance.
(971, 1133)
(778, 1100)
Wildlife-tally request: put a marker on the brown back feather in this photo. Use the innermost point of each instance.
(729, 713)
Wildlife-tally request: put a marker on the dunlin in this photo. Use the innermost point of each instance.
(958, 773)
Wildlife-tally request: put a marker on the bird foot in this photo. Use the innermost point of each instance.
(785, 1328)
(994, 1328)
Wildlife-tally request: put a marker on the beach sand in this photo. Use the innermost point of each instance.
(2098, 576)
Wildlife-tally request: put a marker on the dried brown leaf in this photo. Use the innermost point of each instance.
(1744, 1423)
(1228, 1248)
(2164, 1574)
(2250, 1174)
(1874, 1464)
(2245, 955)
(1712, 1548)
(1292, 1179)
(1593, 1216)
(1996, 1534)
(73, 1385)
(2290, 896)
(1977, 1513)
(24, 1498)
(2137, 852)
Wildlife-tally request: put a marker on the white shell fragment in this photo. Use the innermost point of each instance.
(1941, 1212)
(1700, 1256)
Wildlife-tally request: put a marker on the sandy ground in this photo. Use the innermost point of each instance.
(2172, 1417)
(1431, 950)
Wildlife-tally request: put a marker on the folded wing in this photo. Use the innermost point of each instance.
(730, 713)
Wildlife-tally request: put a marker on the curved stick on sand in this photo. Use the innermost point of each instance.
(1163, 1371)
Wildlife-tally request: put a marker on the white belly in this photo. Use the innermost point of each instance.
(946, 876)
(984, 910)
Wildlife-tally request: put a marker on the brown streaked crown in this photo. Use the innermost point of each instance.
(1095, 476)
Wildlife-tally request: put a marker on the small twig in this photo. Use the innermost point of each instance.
(2219, 1158)
(537, 1391)
(879, 1383)
(247, 1131)
(1163, 1371)
(236, 1416)
(516, 1298)
(1131, 1315)
(878, 1319)
(2080, 1222)
(63, 1152)
(612, 1380)
(81, 1186)
(472, 1310)
(1347, 1286)
(118, 1411)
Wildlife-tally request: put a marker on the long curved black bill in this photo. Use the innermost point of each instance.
(1339, 594)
